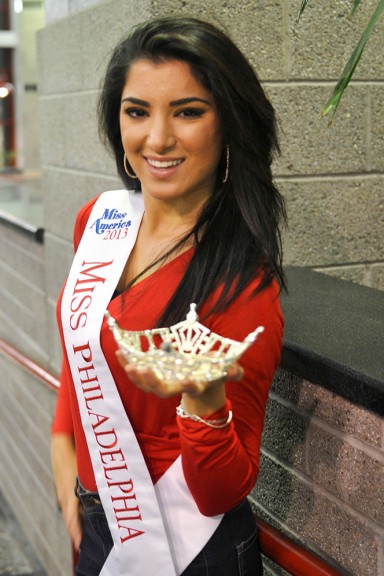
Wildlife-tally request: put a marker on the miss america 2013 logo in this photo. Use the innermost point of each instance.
(112, 223)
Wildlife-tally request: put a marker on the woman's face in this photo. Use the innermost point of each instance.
(170, 132)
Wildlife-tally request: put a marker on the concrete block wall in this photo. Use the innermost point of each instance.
(22, 293)
(321, 475)
(25, 473)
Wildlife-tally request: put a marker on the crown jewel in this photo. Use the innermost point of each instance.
(185, 351)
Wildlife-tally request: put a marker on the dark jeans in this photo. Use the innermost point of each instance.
(231, 551)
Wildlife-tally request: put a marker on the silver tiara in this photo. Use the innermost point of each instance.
(185, 351)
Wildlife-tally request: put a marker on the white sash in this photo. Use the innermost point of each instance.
(156, 530)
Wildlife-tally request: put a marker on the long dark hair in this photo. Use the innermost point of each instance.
(237, 234)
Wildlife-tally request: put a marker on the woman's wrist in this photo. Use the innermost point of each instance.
(207, 403)
(220, 419)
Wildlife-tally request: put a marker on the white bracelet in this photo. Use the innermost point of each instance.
(221, 423)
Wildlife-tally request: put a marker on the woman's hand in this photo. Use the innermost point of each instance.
(210, 395)
(65, 471)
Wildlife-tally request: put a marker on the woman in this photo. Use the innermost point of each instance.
(192, 130)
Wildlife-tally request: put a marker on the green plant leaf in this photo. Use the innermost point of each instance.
(349, 68)
(356, 4)
(302, 7)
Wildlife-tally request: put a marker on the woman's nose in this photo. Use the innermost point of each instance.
(160, 136)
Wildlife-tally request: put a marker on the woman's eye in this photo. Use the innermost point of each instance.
(191, 112)
(135, 112)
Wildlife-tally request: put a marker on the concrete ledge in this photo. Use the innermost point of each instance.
(21, 206)
(334, 336)
(23, 226)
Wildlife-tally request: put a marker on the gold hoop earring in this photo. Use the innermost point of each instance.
(126, 168)
(226, 174)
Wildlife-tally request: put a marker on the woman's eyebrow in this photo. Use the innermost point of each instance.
(173, 103)
(182, 101)
(135, 101)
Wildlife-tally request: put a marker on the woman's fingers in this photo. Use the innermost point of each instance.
(235, 373)
(75, 529)
(121, 358)
(147, 381)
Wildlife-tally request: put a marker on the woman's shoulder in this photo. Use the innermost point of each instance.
(82, 219)
(263, 304)
(250, 309)
(83, 216)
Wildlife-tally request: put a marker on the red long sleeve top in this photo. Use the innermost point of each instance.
(220, 465)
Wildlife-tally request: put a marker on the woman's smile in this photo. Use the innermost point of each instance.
(163, 163)
(163, 168)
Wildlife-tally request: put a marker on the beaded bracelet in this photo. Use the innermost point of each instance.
(221, 423)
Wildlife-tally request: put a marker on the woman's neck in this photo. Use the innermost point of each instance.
(170, 219)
